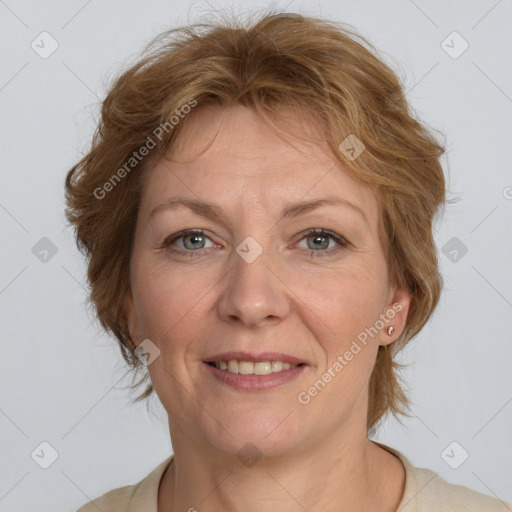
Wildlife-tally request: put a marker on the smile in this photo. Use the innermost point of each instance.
(272, 373)
(252, 368)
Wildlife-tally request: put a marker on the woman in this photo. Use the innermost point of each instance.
(257, 211)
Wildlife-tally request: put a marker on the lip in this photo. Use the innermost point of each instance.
(255, 382)
(253, 357)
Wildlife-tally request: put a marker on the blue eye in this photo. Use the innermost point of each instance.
(320, 235)
(193, 241)
(193, 234)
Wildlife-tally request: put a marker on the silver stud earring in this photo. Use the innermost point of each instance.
(390, 330)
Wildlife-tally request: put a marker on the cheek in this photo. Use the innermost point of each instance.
(346, 302)
(347, 305)
(168, 307)
(166, 299)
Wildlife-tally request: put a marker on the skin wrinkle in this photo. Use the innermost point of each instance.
(284, 301)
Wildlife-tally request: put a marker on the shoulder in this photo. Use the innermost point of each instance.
(435, 493)
(426, 491)
(118, 499)
(131, 498)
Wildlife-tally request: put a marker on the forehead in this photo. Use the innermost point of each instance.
(231, 155)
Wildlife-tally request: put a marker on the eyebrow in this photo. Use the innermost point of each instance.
(215, 212)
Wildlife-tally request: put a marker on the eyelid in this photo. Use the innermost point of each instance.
(339, 239)
(324, 232)
(182, 234)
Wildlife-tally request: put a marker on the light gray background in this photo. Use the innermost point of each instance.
(61, 377)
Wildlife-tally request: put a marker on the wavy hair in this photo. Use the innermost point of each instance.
(278, 60)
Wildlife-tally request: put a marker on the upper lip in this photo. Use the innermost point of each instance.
(254, 357)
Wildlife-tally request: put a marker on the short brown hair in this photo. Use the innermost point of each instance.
(278, 60)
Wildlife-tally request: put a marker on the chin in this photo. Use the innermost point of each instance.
(254, 435)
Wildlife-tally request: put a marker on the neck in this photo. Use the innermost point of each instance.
(336, 475)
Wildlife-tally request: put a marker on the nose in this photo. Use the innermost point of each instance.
(254, 293)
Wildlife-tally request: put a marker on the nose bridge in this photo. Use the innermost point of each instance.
(253, 293)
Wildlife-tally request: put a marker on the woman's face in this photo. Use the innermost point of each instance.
(255, 281)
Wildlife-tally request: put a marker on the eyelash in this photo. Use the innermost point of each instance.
(343, 243)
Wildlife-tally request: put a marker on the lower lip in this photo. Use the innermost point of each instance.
(255, 382)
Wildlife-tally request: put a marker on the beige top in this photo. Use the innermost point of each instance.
(425, 491)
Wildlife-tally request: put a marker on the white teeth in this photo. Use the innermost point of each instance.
(250, 368)
(263, 368)
(245, 367)
(277, 366)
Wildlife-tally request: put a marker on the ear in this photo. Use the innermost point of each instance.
(395, 315)
(131, 317)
